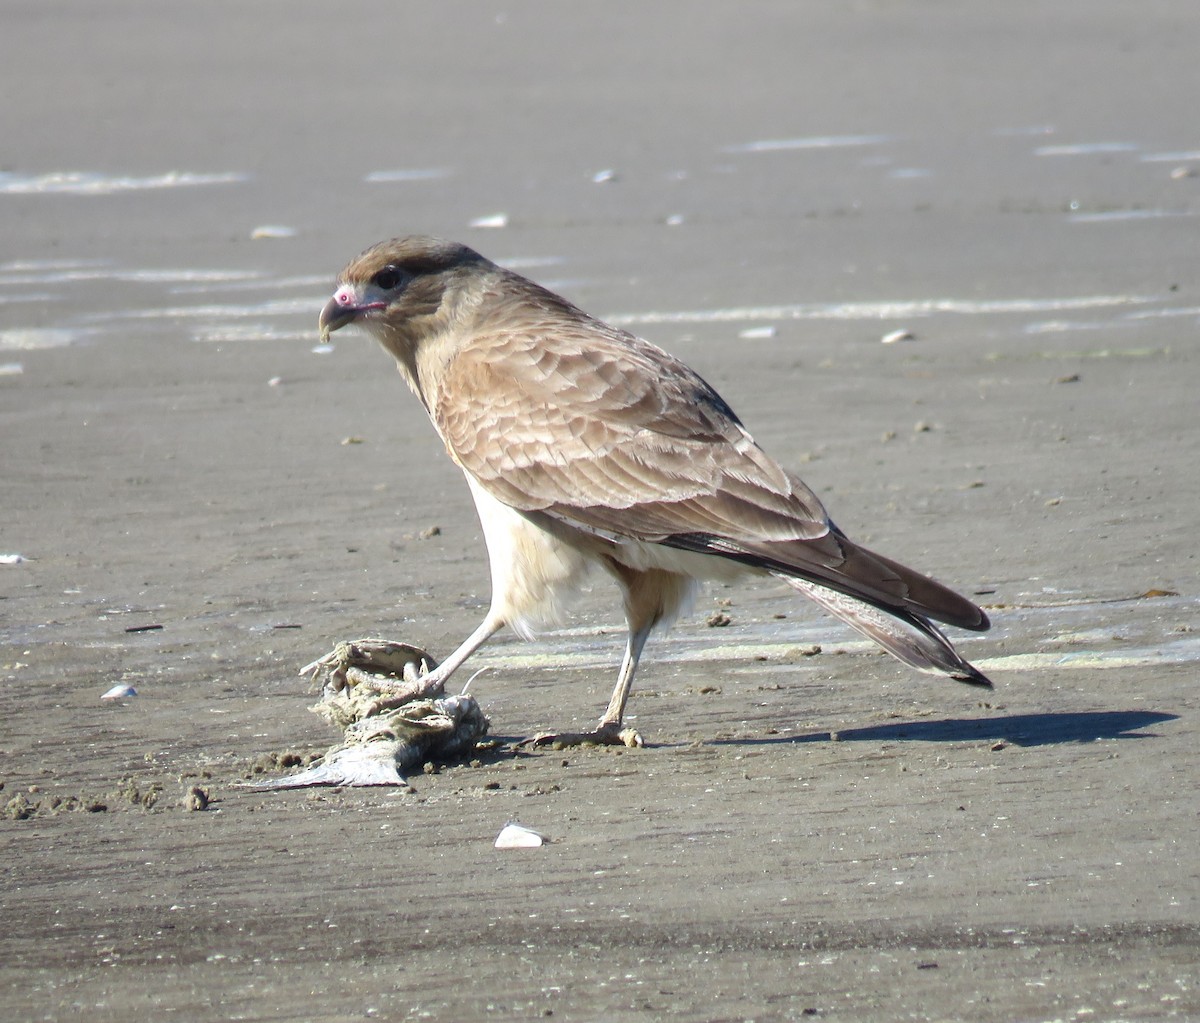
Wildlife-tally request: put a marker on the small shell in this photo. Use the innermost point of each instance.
(898, 335)
(119, 692)
(755, 333)
(11, 559)
(491, 220)
(517, 836)
(273, 231)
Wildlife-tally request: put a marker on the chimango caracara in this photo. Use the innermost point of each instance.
(584, 446)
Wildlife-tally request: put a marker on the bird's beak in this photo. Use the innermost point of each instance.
(338, 311)
(348, 305)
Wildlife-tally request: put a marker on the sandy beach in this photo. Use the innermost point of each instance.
(199, 498)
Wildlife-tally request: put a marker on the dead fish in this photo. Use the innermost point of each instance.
(368, 691)
(380, 748)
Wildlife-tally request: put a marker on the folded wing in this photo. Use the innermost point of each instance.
(569, 417)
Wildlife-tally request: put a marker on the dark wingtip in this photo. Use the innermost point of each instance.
(973, 677)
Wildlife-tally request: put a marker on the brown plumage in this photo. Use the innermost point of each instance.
(586, 446)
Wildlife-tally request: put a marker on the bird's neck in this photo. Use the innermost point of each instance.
(423, 344)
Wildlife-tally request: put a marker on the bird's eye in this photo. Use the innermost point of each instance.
(387, 278)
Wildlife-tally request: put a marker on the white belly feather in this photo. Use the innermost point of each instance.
(535, 574)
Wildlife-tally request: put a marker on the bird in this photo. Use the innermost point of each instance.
(586, 448)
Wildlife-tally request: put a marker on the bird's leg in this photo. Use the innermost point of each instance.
(610, 722)
(428, 684)
(609, 731)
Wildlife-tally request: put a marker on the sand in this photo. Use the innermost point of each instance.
(767, 190)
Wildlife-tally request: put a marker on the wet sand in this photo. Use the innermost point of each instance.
(807, 835)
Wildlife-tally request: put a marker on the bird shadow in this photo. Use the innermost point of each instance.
(1018, 729)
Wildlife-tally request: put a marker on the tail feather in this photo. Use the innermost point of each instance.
(836, 562)
(903, 634)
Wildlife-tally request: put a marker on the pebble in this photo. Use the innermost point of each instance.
(197, 798)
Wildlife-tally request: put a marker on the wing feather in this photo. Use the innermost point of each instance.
(578, 419)
(557, 413)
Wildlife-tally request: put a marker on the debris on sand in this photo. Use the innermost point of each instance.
(372, 691)
(517, 836)
(119, 692)
(492, 220)
(197, 798)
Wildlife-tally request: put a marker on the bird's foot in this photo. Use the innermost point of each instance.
(400, 697)
(603, 735)
(399, 672)
(417, 684)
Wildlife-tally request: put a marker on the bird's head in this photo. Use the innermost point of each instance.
(397, 285)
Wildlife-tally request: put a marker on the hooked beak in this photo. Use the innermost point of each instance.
(342, 309)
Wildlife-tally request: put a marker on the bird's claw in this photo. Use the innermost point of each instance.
(602, 735)
(401, 671)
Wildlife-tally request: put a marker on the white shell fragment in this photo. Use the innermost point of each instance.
(491, 220)
(604, 176)
(898, 335)
(755, 333)
(273, 231)
(119, 692)
(517, 836)
(11, 559)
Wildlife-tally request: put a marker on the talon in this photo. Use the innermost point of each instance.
(604, 735)
(631, 738)
(394, 668)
